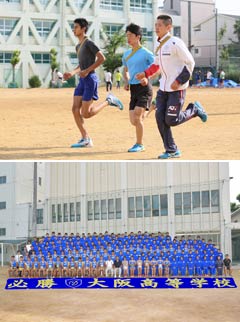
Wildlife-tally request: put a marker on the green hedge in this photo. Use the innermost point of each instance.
(34, 81)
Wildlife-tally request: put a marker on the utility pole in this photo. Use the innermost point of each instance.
(189, 25)
(34, 202)
(216, 39)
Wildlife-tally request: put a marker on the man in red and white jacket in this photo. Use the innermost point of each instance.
(176, 64)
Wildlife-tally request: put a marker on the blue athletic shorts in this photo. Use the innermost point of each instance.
(87, 87)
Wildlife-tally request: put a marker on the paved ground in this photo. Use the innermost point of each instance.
(38, 124)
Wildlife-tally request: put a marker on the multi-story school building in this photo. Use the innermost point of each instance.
(36, 26)
(190, 198)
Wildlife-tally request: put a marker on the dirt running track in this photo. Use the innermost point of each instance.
(170, 305)
(38, 124)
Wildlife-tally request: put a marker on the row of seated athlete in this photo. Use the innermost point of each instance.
(113, 267)
(182, 256)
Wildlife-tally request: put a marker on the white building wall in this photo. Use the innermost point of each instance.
(205, 37)
(124, 180)
(18, 194)
(181, 10)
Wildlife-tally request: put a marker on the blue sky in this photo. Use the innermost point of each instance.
(224, 6)
(234, 171)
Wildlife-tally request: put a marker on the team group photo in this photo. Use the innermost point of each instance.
(119, 160)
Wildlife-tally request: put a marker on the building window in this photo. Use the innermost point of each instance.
(90, 210)
(139, 207)
(147, 35)
(5, 57)
(3, 205)
(79, 3)
(41, 58)
(110, 208)
(43, 2)
(177, 32)
(3, 179)
(10, 1)
(73, 58)
(104, 209)
(164, 205)
(111, 29)
(39, 216)
(116, 5)
(96, 210)
(59, 213)
(155, 205)
(2, 231)
(118, 208)
(178, 203)
(197, 28)
(196, 202)
(197, 52)
(53, 214)
(187, 203)
(7, 26)
(131, 207)
(205, 202)
(147, 206)
(78, 211)
(43, 27)
(215, 201)
(141, 5)
(72, 212)
(65, 212)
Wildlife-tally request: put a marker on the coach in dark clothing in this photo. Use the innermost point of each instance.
(227, 265)
(219, 266)
(117, 267)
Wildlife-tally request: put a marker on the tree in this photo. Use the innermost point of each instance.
(238, 197)
(236, 27)
(222, 32)
(14, 61)
(234, 206)
(113, 59)
(53, 63)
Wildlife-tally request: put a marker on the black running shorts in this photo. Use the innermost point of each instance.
(141, 96)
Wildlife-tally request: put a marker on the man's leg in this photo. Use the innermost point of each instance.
(136, 119)
(163, 127)
(76, 110)
(176, 116)
(88, 110)
(174, 113)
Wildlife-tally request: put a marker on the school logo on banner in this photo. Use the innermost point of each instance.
(73, 283)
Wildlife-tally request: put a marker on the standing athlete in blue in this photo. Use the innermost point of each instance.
(136, 60)
(176, 65)
(90, 57)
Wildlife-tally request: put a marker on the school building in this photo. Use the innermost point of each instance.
(36, 26)
(182, 198)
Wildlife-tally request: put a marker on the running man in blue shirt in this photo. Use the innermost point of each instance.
(136, 60)
(90, 57)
